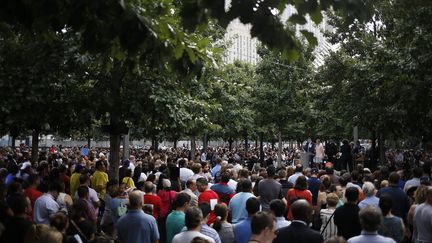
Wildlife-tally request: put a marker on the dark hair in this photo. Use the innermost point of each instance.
(202, 181)
(182, 163)
(299, 168)
(301, 183)
(193, 217)
(252, 205)
(181, 199)
(79, 210)
(278, 207)
(260, 221)
(385, 203)
(59, 221)
(370, 218)
(225, 177)
(394, 178)
(32, 178)
(205, 208)
(136, 174)
(17, 202)
(245, 185)
(417, 172)
(189, 183)
(82, 191)
(55, 186)
(271, 171)
(221, 213)
(83, 178)
(98, 164)
(351, 194)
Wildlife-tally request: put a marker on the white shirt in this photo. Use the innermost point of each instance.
(44, 207)
(232, 184)
(185, 174)
(282, 222)
(188, 236)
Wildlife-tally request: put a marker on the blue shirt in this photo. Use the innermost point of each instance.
(314, 186)
(44, 207)
(243, 231)
(401, 206)
(215, 170)
(373, 201)
(237, 206)
(370, 237)
(136, 226)
(222, 188)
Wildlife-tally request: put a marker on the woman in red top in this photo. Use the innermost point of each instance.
(167, 196)
(299, 191)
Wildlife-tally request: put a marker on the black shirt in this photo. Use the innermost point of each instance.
(346, 218)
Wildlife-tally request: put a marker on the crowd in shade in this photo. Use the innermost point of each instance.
(217, 195)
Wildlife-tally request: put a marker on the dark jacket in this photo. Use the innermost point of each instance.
(346, 218)
(298, 233)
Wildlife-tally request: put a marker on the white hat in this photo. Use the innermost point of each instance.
(166, 183)
(25, 165)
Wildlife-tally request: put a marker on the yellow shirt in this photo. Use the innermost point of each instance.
(74, 183)
(98, 179)
(129, 182)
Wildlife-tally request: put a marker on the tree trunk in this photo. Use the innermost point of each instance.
(193, 147)
(261, 147)
(13, 142)
(230, 143)
(246, 142)
(256, 143)
(372, 159)
(279, 157)
(205, 141)
(381, 141)
(89, 142)
(35, 145)
(126, 144)
(175, 143)
(115, 140)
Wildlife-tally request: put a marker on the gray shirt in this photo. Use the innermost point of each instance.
(44, 207)
(269, 189)
(423, 222)
(370, 237)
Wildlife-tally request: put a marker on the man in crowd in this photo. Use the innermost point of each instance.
(423, 219)
(46, 205)
(176, 219)
(346, 217)
(190, 190)
(208, 196)
(263, 228)
(415, 181)
(224, 192)
(99, 180)
(298, 172)
(237, 204)
(135, 225)
(151, 199)
(269, 189)
(242, 230)
(299, 231)
(400, 208)
(193, 219)
(371, 199)
(370, 219)
(278, 209)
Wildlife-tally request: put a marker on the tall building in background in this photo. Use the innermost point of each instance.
(244, 48)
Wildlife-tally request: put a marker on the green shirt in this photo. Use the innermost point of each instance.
(174, 224)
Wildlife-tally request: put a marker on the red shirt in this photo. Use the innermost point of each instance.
(156, 202)
(294, 193)
(32, 194)
(66, 180)
(205, 197)
(167, 198)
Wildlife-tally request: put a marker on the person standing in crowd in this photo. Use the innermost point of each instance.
(242, 230)
(278, 209)
(370, 219)
(346, 156)
(314, 185)
(422, 219)
(299, 191)
(216, 169)
(176, 219)
(222, 227)
(151, 199)
(328, 227)
(17, 228)
(205, 228)
(83, 194)
(283, 180)
(298, 172)
(185, 173)
(415, 181)
(31, 191)
(269, 189)
(346, 217)
(75, 179)
(237, 204)
(263, 228)
(369, 191)
(135, 225)
(46, 205)
(400, 208)
(118, 203)
(224, 192)
(193, 219)
(319, 154)
(299, 231)
(310, 150)
(208, 196)
(392, 226)
(99, 180)
(190, 189)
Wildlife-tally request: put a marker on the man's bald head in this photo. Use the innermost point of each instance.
(302, 210)
(135, 200)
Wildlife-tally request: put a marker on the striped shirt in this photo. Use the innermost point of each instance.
(331, 229)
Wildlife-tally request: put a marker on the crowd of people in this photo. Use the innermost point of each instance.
(217, 195)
